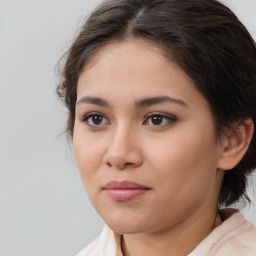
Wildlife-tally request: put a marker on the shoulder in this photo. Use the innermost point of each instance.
(92, 249)
(239, 238)
(89, 249)
(235, 236)
(108, 243)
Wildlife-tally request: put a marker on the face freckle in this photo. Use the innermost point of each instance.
(175, 161)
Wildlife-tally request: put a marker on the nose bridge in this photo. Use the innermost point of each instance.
(122, 140)
(123, 147)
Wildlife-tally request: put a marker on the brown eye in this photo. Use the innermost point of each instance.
(156, 120)
(95, 120)
(159, 120)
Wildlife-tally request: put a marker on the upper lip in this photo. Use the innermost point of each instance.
(125, 184)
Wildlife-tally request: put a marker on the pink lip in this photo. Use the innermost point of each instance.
(122, 191)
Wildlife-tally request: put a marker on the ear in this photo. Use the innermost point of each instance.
(235, 143)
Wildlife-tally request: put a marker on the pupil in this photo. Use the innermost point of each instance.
(157, 120)
(97, 119)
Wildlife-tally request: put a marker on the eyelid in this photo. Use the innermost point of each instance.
(169, 117)
(89, 114)
(85, 118)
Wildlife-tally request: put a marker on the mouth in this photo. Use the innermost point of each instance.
(122, 191)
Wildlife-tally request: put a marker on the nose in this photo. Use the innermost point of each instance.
(123, 150)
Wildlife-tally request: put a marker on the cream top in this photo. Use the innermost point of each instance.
(235, 236)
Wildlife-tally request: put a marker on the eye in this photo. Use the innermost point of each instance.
(159, 120)
(95, 119)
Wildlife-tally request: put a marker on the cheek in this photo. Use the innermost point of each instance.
(181, 175)
(89, 154)
(184, 163)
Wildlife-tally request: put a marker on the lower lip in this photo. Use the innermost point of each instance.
(123, 195)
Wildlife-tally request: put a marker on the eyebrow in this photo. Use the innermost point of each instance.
(93, 100)
(138, 104)
(156, 100)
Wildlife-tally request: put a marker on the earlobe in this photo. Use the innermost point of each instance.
(236, 144)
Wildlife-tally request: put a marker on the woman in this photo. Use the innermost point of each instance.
(162, 107)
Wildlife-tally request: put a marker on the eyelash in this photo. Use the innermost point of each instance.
(87, 119)
(165, 117)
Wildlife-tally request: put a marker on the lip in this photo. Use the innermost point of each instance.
(123, 191)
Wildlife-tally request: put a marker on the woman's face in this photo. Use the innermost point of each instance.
(144, 140)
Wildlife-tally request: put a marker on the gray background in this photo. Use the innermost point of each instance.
(43, 207)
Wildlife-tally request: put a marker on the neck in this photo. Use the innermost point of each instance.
(179, 240)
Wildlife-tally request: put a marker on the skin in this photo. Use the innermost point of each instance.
(177, 159)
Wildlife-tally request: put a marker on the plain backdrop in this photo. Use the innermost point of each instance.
(43, 207)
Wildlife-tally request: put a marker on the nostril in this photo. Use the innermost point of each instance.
(124, 165)
(122, 160)
(128, 164)
(108, 164)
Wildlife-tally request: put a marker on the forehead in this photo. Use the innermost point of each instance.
(135, 69)
(131, 55)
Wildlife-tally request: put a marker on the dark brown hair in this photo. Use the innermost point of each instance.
(204, 37)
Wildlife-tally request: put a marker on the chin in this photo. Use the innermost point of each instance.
(125, 229)
(126, 226)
